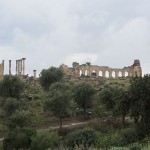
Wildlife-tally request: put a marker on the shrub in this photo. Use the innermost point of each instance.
(18, 139)
(45, 140)
(135, 146)
(128, 136)
(82, 138)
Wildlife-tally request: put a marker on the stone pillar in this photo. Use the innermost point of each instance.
(3, 67)
(97, 73)
(103, 74)
(9, 67)
(21, 67)
(34, 74)
(110, 74)
(23, 62)
(116, 74)
(123, 73)
(16, 67)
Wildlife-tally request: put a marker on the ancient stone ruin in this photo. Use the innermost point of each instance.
(20, 70)
(1, 69)
(89, 70)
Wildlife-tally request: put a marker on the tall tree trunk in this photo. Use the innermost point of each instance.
(85, 113)
(60, 121)
(123, 119)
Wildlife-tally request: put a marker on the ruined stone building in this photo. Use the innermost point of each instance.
(89, 70)
(20, 69)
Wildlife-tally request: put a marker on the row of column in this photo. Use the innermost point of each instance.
(20, 66)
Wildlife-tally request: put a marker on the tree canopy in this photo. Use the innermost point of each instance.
(60, 100)
(140, 103)
(11, 86)
(49, 76)
(83, 93)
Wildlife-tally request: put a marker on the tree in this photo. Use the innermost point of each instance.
(10, 106)
(83, 93)
(11, 86)
(82, 138)
(49, 76)
(115, 100)
(60, 101)
(19, 119)
(123, 104)
(18, 139)
(45, 140)
(140, 104)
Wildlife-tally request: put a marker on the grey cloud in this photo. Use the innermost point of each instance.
(52, 32)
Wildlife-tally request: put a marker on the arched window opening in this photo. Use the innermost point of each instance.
(107, 74)
(94, 73)
(113, 74)
(100, 73)
(126, 74)
(120, 74)
(80, 72)
(86, 72)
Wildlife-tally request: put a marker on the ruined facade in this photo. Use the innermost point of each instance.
(87, 69)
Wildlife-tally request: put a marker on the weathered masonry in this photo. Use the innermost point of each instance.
(102, 71)
(20, 68)
(2, 69)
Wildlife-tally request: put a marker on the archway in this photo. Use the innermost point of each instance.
(107, 74)
(80, 72)
(113, 74)
(93, 73)
(86, 72)
(120, 74)
(126, 74)
(100, 73)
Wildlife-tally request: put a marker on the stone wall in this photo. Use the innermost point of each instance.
(87, 69)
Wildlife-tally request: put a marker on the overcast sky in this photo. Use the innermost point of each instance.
(51, 32)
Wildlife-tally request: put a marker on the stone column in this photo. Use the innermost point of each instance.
(3, 67)
(21, 67)
(110, 74)
(16, 67)
(123, 73)
(117, 74)
(23, 61)
(34, 74)
(103, 74)
(9, 67)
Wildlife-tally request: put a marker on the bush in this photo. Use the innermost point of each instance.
(82, 138)
(18, 139)
(103, 141)
(45, 140)
(135, 146)
(128, 136)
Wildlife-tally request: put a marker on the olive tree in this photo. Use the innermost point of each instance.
(60, 101)
(11, 86)
(83, 93)
(49, 76)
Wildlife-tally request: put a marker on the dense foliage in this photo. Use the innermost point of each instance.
(83, 93)
(60, 100)
(49, 76)
(123, 124)
(11, 86)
